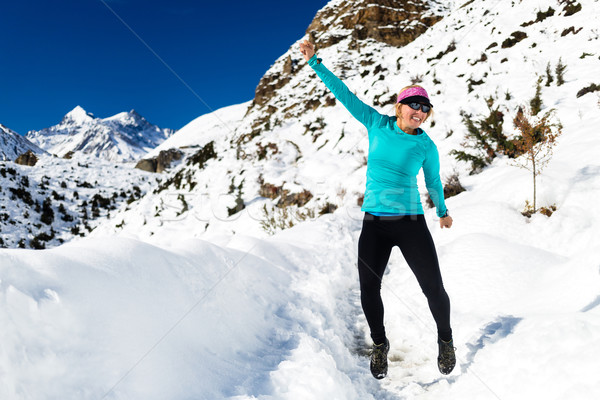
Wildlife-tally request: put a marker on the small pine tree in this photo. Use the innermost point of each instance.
(549, 77)
(536, 102)
(538, 137)
(47, 212)
(560, 72)
(485, 136)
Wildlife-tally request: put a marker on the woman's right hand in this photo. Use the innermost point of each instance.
(307, 49)
(446, 222)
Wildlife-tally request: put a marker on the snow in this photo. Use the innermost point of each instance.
(203, 305)
(79, 116)
(280, 317)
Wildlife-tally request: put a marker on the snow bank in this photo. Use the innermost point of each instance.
(115, 318)
(280, 318)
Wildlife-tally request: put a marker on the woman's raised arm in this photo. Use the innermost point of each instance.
(365, 114)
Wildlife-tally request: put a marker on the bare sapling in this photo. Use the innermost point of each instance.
(538, 136)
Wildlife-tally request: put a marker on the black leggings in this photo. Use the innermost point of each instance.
(379, 235)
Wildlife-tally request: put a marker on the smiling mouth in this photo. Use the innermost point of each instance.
(417, 119)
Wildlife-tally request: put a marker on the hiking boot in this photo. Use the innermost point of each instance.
(446, 357)
(379, 362)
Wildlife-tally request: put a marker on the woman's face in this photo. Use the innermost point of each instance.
(410, 118)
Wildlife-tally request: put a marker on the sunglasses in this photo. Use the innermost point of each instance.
(415, 106)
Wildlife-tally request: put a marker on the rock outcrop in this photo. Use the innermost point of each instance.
(161, 162)
(29, 159)
(394, 22)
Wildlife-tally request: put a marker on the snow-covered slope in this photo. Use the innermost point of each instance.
(12, 145)
(280, 318)
(59, 200)
(204, 129)
(123, 137)
(185, 295)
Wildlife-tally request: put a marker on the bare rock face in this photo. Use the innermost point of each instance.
(161, 162)
(286, 198)
(271, 82)
(28, 159)
(394, 22)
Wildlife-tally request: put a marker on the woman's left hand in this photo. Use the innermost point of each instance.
(446, 222)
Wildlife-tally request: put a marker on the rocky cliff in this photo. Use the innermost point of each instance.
(393, 22)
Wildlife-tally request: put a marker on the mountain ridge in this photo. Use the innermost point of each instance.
(123, 137)
(13, 145)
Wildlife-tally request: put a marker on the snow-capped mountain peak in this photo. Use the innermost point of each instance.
(125, 136)
(131, 117)
(78, 116)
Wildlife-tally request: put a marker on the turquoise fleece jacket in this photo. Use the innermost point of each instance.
(395, 157)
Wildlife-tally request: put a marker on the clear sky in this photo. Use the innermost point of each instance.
(57, 54)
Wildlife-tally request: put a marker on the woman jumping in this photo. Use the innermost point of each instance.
(394, 216)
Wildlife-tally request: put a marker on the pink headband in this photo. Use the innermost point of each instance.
(413, 91)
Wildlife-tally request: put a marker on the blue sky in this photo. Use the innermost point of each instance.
(57, 54)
